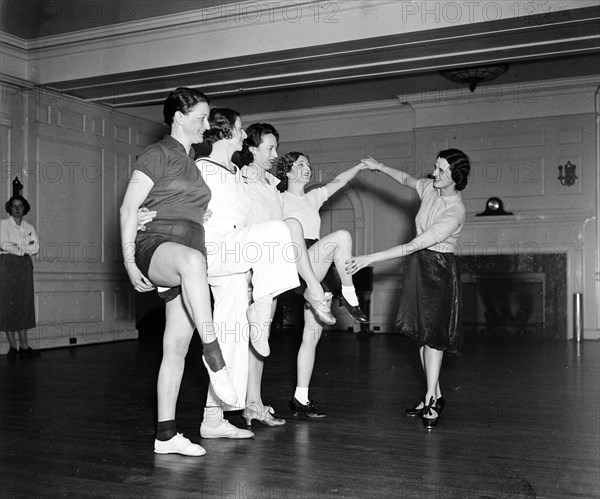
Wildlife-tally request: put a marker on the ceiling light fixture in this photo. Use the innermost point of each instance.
(475, 75)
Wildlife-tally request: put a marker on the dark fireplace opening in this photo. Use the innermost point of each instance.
(514, 296)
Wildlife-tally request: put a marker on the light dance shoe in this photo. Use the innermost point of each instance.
(224, 430)
(178, 445)
(259, 332)
(264, 416)
(321, 307)
(222, 384)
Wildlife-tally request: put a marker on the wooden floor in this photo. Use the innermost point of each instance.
(521, 421)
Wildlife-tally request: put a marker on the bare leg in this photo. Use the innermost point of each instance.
(302, 261)
(173, 265)
(338, 245)
(311, 335)
(23, 339)
(176, 340)
(12, 341)
(255, 372)
(433, 364)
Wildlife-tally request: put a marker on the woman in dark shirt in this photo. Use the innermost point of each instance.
(171, 253)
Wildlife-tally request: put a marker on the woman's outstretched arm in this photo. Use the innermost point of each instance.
(343, 178)
(398, 175)
(421, 242)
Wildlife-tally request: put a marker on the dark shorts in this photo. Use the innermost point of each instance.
(429, 301)
(160, 231)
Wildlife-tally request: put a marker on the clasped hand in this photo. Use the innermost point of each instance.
(356, 263)
(371, 164)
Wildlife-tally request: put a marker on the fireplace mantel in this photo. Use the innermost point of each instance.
(529, 234)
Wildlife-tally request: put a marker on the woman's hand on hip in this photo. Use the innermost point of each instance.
(139, 281)
(144, 215)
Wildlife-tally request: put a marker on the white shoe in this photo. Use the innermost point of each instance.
(222, 384)
(224, 430)
(259, 334)
(178, 445)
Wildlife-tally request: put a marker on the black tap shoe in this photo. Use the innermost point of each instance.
(430, 415)
(420, 407)
(308, 410)
(415, 411)
(355, 312)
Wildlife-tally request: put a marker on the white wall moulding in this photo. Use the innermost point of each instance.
(559, 97)
(347, 120)
(66, 163)
(370, 40)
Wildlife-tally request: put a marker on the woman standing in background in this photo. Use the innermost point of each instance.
(18, 243)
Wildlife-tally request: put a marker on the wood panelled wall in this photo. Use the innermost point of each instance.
(74, 160)
(515, 137)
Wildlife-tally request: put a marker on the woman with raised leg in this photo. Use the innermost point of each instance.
(429, 300)
(293, 170)
(257, 156)
(171, 253)
(236, 247)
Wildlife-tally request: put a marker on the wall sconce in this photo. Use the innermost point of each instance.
(569, 177)
(17, 187)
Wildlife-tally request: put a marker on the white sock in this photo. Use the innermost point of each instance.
(213, 416)
(301, 395)
(350, 294)
(263, 308)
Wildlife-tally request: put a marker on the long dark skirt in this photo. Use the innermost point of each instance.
(429, 301)
(17, 310)
(161, 231)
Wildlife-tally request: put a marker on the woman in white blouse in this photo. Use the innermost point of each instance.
(258, 154)
(18, 243)
(293, 170)
(429, 300)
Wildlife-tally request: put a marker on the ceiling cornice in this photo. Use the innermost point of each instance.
(555, 34)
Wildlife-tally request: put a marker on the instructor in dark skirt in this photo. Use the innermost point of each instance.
(18, 243)
(429, 300)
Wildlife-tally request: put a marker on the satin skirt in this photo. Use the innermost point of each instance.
(430, 301)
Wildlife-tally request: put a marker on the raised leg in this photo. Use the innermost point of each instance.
(336, 248)
(173, 265)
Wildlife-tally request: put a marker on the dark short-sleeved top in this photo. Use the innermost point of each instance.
(179, 191)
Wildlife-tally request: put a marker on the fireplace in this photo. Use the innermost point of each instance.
(514, 296)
